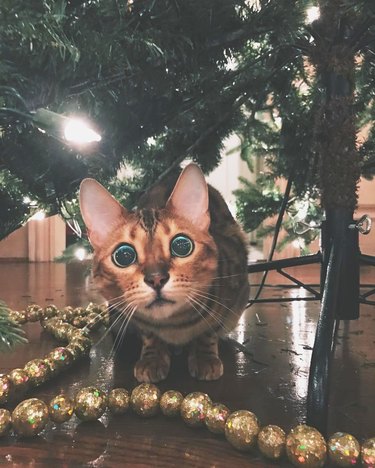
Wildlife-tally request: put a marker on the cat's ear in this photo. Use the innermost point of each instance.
(100, 211)
(190, 197)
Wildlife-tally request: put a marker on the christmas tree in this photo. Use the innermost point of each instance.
(168, 80)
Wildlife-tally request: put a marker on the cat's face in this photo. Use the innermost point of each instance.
(157, 261)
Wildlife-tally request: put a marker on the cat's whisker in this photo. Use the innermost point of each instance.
(193, 303)
(119, 314)
(116, 341)
(227, 276)
(120, 335)
(206, 293)
(212, 313)
(203, 296)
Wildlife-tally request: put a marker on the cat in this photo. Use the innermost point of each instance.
(177, 266)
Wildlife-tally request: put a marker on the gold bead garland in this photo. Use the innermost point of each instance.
(304, 445)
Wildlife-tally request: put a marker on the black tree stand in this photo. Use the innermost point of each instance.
(340, 260)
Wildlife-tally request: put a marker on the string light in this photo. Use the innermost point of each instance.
(312, 14)
(78, 131)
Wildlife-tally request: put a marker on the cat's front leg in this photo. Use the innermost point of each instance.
(154, 363)
(204, 361)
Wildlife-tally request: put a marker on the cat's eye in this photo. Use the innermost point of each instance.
(124, 255)
(181, 246)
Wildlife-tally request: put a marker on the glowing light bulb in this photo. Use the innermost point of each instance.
(77, 131)
(80, 254)
(312, 14)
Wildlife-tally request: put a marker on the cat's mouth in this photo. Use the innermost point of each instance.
(159, 301)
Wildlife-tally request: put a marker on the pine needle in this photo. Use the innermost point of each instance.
(10, 332)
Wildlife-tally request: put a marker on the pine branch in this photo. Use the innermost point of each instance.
(10, 332)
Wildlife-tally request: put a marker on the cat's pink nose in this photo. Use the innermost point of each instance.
(156, 280)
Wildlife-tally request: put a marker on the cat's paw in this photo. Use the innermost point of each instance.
(151, 370)
(205, 367)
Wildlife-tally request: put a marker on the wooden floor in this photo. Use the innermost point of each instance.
(266, 371)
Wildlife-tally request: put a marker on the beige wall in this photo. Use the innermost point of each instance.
(37, 241)
(15, 246)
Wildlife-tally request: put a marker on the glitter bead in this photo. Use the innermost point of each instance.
(5, 388)
(144, 399)
(93, 321)
(90, 403)
(60, 409)
(343, 449)
(78, 322)
(30, 417)
(216, 417)
(271, 442)
(62, 358)
(194, 408)
(241, 429)
(368, 453)
(50, 311)
(67, 314)
(61, 331)
(170, 403)
(75, 351)
(5, 420)
(83, 343)
(51, 324)
(305, 446)
(33, 313)
(75, 332)
(18, 316)
(38, 371)
(118, 400)
(19, 380)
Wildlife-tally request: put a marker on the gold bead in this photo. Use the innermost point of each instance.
(194, 408)
(241, 429)
(93, 321)
(67, 314)
(49, 324)
(170, 403)
(368, 453)
(62, 358)
(60, 409)
(5, 420)
(5, 388)
(90, 403)
(19, 380)
(75, 351)
(38, 371)
(271, 442)
(18, 316)
(83, 343)
(144, 399)
(78, 322)
(305, 446)
(343, 449)
(33, 313)
(75, 332)
(80, 312)
(118, 400)
(50, 311)
(61, 331)
(30, 417)
(216, 418)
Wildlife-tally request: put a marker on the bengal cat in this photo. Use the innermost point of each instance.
(176, 266)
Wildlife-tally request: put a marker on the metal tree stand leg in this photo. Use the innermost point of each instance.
(340, 299)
